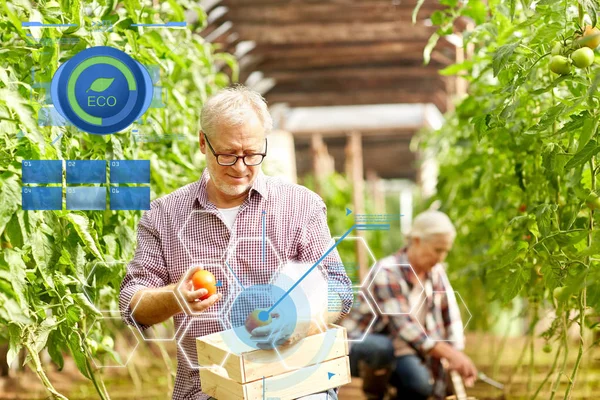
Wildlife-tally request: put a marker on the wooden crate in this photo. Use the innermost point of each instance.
(247, 371)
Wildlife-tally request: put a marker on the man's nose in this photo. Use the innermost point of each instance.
(239, 165)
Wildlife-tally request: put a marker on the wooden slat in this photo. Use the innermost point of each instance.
(246, 364)
(307, 352)
(287, 386)
(334, 32)
(375, 11)
(363, 97)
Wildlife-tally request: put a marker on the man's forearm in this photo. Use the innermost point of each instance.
(152, 306)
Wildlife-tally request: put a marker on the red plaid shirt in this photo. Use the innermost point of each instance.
(184, 228)
(391, 287)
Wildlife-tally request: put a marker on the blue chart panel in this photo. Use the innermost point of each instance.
(41, 198)
(129, 198)
(42, 171)
(86, 171)
(86, 198)
(130, 171)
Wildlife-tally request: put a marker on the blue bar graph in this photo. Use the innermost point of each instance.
(42, 171)
(41, 198)
(130, 171)
(86, 198)
(86, 171)
(129, 198)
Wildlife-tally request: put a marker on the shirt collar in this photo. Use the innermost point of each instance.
(259, 185)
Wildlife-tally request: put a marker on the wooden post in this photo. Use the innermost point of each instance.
(323, 163)
(354, 170)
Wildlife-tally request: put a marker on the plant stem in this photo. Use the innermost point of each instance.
(565, 357)
(101, 390)
(530, 335)
(583, 295)
(40, 372)
(549, 374)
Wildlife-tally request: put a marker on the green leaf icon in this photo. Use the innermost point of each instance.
(101, 84)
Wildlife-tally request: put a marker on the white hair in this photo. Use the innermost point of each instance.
(233, 107)
(429, 223)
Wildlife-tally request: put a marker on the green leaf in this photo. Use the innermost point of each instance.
(101, 84)
(591, 7)
(502, 55)
(481, 124)
(549, 117)
(590, 125)
(81, 225)
(10, 198)
(456, 68)
(584, 155)
(19, 281)
(55, 347)
(76, 347)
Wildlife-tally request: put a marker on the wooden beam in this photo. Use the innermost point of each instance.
(391, 96)
(398, 133)
(366, 73)
(358, 82)
(392, 53)
(334, 32)
(291, 13)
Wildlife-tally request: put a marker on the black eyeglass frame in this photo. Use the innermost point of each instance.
(236, 156)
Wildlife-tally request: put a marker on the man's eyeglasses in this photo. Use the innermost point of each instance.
(230, 159)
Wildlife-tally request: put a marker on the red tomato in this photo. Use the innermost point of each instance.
(204, 279)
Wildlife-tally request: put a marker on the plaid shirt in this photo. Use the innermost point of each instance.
(184, 228)
(391, 288)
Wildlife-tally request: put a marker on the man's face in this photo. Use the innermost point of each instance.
(431, 250)
(248, 138)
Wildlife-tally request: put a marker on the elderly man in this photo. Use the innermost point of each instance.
(214, 221)
(420, 323)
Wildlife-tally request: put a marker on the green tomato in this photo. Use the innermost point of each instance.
(557, 49)
(560, 65)
(593, 201)
(583, 57)
(547, 348)
(108, 343)
(92, 345)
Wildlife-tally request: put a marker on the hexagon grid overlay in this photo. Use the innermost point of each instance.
(363, 305)
(164, 332)
(380, 277)
(373, 261)
(452, 297)
(112, 353)
(188, 350)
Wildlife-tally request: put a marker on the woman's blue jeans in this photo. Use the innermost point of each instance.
(410, 376)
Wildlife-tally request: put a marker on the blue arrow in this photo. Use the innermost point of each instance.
(219, 283)
(329, 375)
(348, 211)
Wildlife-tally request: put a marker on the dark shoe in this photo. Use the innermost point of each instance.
(375, 381)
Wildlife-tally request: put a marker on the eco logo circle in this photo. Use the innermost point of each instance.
(101, 90)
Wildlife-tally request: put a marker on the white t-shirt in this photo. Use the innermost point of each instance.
(229, 215)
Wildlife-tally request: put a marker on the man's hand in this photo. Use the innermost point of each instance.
(187, 294)
(281, 333)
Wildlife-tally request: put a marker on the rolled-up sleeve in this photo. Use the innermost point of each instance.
(315, 243)
(147, 269)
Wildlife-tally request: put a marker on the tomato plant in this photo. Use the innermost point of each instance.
(524, 135)
(58, 268)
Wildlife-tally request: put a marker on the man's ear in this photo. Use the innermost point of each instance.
(202, 142)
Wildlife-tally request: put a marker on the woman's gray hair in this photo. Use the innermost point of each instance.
(233, 107)
(429, 223)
